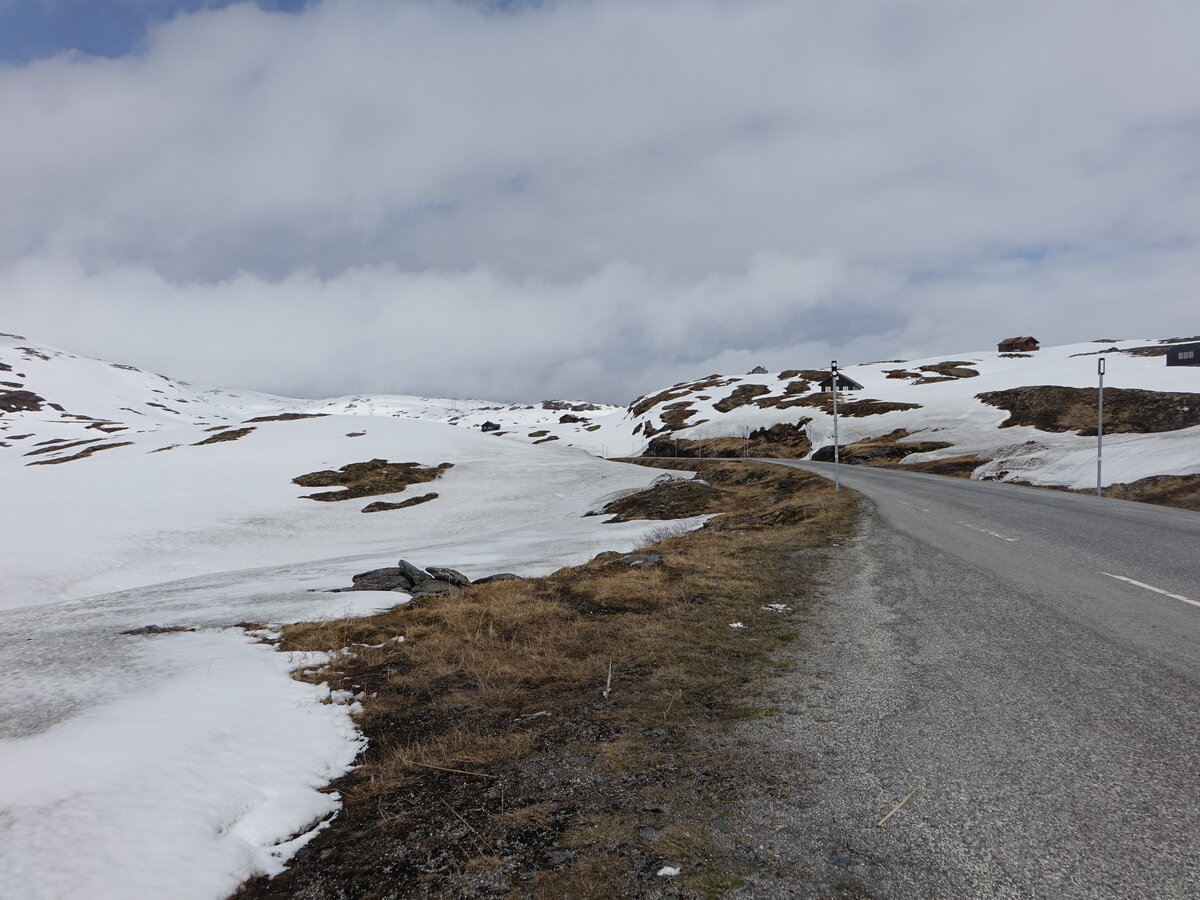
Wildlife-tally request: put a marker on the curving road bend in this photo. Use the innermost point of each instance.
(1027, 662)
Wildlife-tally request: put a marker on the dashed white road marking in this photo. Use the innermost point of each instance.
(994, 534)
(1151, 587)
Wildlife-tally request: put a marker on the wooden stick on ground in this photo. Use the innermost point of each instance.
(456, 771)
(608, 687)
(478, 836)
(895, 809)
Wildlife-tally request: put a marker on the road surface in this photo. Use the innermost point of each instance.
(1027, 662)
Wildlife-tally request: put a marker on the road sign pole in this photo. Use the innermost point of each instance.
(1100, 426)
(837, 476)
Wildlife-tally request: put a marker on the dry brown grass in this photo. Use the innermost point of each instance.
(491, 712)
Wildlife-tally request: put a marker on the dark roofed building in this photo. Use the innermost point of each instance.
(844, 383)
(1183, 355)
(1018, 345)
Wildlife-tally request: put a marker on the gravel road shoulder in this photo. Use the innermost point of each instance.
(1047, 760)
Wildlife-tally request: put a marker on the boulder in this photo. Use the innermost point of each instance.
(415, 575)
(490, 426)
(388, 579)
(452, 576)
(637, 561)
(434, 588)
(502, 576)
(606, 555)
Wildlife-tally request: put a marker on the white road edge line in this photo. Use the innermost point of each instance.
(985, 531)
(1151, 587)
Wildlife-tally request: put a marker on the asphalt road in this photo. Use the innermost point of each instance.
(973, 646)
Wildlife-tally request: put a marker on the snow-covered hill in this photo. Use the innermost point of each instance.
(936, 400)
(179, 764)
(86, 398)
(121, 477)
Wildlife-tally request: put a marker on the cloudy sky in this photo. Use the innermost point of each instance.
(590, 198)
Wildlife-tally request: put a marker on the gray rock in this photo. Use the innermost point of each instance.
(606, 555)
(434, 588)
(501, 576)
(157, 629)
(388, 579)
(415, 575)
(637, 561)
(453, 576)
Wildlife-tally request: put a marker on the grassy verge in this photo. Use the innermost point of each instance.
(503, 761)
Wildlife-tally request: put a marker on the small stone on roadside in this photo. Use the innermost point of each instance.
(500, 576)
(637, 561)
(452, 576)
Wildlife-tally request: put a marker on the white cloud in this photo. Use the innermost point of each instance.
(587, 197)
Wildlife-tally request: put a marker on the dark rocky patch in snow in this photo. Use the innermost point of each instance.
(220, 437)
(671, 498)
(367, 479)
(783, 440)
(949, 370)
(54, 448)
(87, 451)
(855, 408)
(286, 417)
(1126, 410)
(877, 450)
(742, 395)
(20, 401)
(806, 374)
(383, 505)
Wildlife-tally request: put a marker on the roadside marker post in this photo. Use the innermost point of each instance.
(837, 477)
(1099, 426)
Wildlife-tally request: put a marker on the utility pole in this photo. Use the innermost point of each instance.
(1099, 426)
(837, 477)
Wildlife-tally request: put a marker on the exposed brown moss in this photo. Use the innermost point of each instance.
(85, 452)
(675, 415)
(880, 451)
(855, 408)
(675, 499)
(220, 437)
(20, 401)
(806, 374)
(54, 448)
(742, 395)
(1126, 410)
(643, 405)
(499, 765)
(367, 479)
(954, 466)
(1179, 491)
(383, 505)
(949, 370)
(784, 440)
(287, 417)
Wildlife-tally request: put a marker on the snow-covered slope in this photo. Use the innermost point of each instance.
(105, 469)
(179, 764)
(939, 403)
(90, 397)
